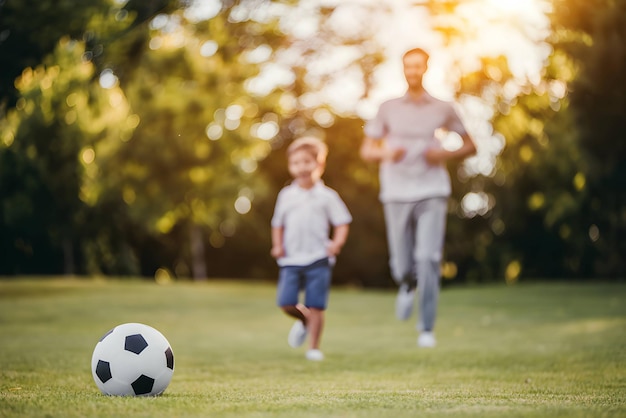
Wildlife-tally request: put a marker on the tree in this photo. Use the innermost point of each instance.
(30, 30)
(593, 35)
(47, 146)
(558, 203)
(189, 167)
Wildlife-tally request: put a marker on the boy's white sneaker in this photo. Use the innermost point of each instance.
(404, 303)
(314, 355)
(426, 339)
(297, 334)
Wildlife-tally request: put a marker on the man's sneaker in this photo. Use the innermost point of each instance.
(404, 302)
(297, 334)
(426, 339)
(314, 355)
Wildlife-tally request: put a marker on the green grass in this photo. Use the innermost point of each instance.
(531, 350)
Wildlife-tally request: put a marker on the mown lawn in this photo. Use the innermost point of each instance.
(530, 350)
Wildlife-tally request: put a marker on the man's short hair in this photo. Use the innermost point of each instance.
(310, 144)
(416, 51)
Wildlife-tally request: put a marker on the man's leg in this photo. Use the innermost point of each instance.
(431, 228)
(400, 229)
(401, 240)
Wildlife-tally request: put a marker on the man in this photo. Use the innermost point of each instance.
(414, 188)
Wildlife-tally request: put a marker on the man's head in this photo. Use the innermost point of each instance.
(415, 63)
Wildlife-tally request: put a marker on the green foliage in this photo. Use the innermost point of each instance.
(556, 184)
(47, 141)
(533, 350)
(30, 30)
(592, 35)
(563, 164)
(192, 157)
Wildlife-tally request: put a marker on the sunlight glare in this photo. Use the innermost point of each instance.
(108, 79)
(512, 6)
(202, 10)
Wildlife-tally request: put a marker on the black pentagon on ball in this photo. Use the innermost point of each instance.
(143, 385)
(135, 343)
(103, 371)
(169, 356)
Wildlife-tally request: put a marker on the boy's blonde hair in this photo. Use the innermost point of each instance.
(315, 146)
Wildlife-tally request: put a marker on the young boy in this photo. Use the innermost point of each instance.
(304, 213)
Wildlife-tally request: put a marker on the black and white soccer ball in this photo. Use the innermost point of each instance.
(132, 360)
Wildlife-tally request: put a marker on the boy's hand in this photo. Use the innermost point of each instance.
(277, 251)
(340, 234)
(333, 249)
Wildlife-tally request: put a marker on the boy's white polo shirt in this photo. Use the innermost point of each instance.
(306, 216)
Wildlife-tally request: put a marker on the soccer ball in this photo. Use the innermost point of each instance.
(132, 360)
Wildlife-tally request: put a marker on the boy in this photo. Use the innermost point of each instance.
(304, 212)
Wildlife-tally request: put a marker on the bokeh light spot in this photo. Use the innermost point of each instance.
(594, 233)
(88, 155)
(243, 205)
(214, 131)
(108, 79)
(512, 272)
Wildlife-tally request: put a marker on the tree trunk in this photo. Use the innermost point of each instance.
(68, 257)
(198, 262)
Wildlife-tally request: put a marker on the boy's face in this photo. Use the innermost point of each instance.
(303, 166)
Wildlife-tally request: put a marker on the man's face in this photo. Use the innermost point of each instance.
(415, 66)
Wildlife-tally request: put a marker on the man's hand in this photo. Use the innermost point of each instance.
(435, 156)
(394, 154)
(377, 151)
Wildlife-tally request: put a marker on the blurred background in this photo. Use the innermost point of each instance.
(147, 137)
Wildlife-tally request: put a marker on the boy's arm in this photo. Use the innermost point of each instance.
(340, 235)
(277, 250)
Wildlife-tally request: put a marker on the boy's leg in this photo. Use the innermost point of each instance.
(315, 327)
(317, 289)
(298, 311)
(431, 215)
(288, 291)
(289, 284)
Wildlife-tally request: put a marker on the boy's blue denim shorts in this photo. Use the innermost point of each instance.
(314, 279)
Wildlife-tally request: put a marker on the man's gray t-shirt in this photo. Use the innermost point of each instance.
(411, 124)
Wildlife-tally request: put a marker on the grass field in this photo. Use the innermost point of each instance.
(530, 350)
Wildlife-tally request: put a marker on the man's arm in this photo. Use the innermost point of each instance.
(375, 151)
(440, 155)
